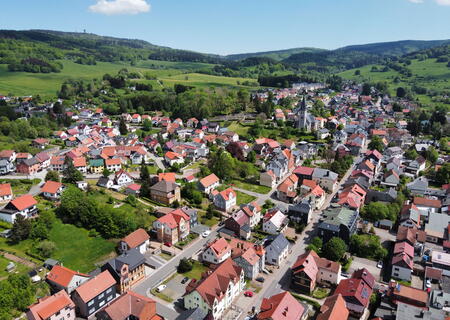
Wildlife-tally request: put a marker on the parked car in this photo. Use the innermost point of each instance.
(260, 279)
(161, 288)
(248, 294)
(380, 264)
(167, 244)
(428, 283)
(206, 233)
(185, 279)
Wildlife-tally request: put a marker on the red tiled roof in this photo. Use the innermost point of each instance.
(209, 180)
(134, 187)
(51, 186)
(304, 171)
(50, 305)
(334, 308)
(24, 202)
(5, 189)
(226, 194)
(115, 161)
(220, 247)
(418, 201)
(132, 305)
(93, 287)
(282, 306)
(62, 275)
(169, 177)
(136, 238)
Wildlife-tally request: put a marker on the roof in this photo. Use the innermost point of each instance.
(334, 308)
(168, 176)
(214, 283)
(136, 238)
(62, 275)
(418, 201)
(79, 162)
(131, 304)
(92, 288)
(164, 186)
(410, 293)
(111, 162)
(209, 180)
(281, 306)
(226, 194)
(220, 247)
(5, 189)
(134, 187)
(132, 258)
(304, 171)
(23, 202)
(277, 243)
(50, 305)
(51, 186)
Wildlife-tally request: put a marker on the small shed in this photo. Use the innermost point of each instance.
(50, 263)
(11, 267)
(384, 224)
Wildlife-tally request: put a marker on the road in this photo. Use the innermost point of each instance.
(280, 280)
(35, 189)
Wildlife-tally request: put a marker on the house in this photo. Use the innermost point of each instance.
(96, 165)
(105, 182)
(172, 227)
(334, 308)
(57, 163)
(301, 213)
(29, 166)
(277, 249)
(239, 225)
(253, 211)
(249, 256)
(94, 294)
(43, 158)
(165, 192)
(137, 239)
(281, 306)
(275, 222)
(216, 251)
(24, 205)
(287, 190)
(215, 292)
(8, 155)
(113, 165)
(399, 293)
(133, 189)
(410, 216)
(352, 197)
(40, 143)
(313, 193)
(128, 269)
(6, 167)
(338, 222)
(436, 228)
(122, 178)
(209, 183)
(167, 176)
(172, 158)
(402, 261)
(62, 278)
(6, 193)
(414, 167)
(225, 200)
(55, 307)
(52, 190)
(268, 179)
(136, 118)
(418, 187)
(356, 291)
(427, 205)
(310, 269)
(327, 179)
(130, 306)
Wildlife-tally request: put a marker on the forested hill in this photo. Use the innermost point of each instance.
(275, 55)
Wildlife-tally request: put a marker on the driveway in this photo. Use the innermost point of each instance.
(371, 266)
(175, 289)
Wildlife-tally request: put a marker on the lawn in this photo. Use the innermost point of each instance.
(152, 169)
(20, 268)
(238, 128)
(20, 186)
(243, 198)
(76, 250)
(197, 270)
(250, 186)
(207, 222)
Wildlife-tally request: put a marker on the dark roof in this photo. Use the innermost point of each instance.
(277, 243)
(132, 258)
(164, 186)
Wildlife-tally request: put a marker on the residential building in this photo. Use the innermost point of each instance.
(217, 289)
(301, 213)
(402, 261)
(6, 193)
(249, 256)
(28, 166)
(137, 239)
(52, 190)
(113, 165)
(172, 227)
(128, 269)
(436, 227)
(239, 224)
(310, 270)
(287, 190)
(62, 278)
(209, 183)
(406, 294)
(253, 211)
(334, 308)
(165, 192)
(268, 179)
(275, 222)
(216, 251)
(338, 222)
(327, 179)
(281, 306)
(96, 165)
(6, 167)
(277, 249)
(55, 307)
(94, 294)
(123, 178)
(225, 200)
(24, 205)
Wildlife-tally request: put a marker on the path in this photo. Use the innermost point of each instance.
(158, 161)
(20, 260)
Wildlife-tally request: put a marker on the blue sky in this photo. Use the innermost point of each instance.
(238, 26)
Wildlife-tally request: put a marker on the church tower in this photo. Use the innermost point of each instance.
(302, 114)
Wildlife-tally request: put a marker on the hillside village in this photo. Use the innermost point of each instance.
(334, 207)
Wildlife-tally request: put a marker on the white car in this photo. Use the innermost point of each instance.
(161, 288)
(428, 283)
(380, 265)
(206, 233)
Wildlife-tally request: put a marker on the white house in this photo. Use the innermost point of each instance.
(137, 239)
(62, 278)
(6, 193)
(275, 222)
(225, 200)
(402, 261)
(52, 190)
(24, 205)
(113, 165)
(123, 178)
(217, 251)
(209, 183)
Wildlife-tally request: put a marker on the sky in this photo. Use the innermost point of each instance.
(237, 26)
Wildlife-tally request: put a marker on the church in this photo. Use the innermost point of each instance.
(306, 121)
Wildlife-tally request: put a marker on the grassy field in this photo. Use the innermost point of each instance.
(20, 268)
(192, 66)
(197, 270)
(203, 80)
(250, 187)
(427, 73)
(20, 186)
(76, 250)
(243, 198)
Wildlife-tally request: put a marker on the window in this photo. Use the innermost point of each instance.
(109, 290)
(101, 296)
(109, 298)
(101, 303)
(91, 310)
(90, 303)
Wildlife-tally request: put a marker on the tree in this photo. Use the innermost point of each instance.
(46, 248)
(411, 154)
(106, 173)
(375, 211)
(376, 144)
(184, 266)
(431, 155)
(123, 127)
(71, 174)
(222, 164)
(366, 89)
(147, 125)
(144, 174)
(401, 92)
(443, 174)
(21, 229)
(235, 150)
(334, 249)
(251, 157)
(316, 245)
(52, 176)
(367, 246)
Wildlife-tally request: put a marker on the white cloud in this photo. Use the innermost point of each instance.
(443, 2)
(115, 7)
